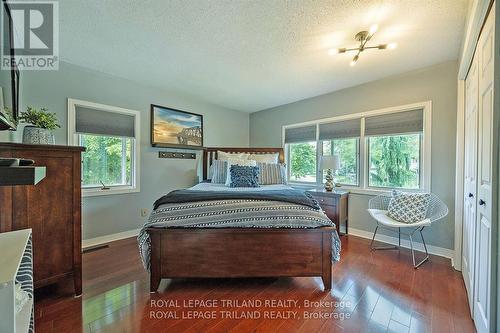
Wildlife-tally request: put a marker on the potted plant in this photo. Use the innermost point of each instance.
(42, 123)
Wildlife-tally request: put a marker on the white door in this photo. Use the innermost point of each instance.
(482, 282)
(470, 183)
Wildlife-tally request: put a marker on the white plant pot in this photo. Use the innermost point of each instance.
(38, 136)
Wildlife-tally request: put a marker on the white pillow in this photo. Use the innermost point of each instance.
(223, 156)
(265, 158)
(236, 161)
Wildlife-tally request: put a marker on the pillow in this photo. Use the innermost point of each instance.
(408, 207)
(272, 174)
(236, 161)
(265, 158)
(223, 156)
(284, 174)
(219, 172)
(244, 176)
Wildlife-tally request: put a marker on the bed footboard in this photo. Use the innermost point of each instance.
(240, 252)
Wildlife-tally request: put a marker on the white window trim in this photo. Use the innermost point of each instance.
(363, 188)
(74, 141)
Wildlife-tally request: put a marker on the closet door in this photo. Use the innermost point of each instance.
(482, 289)
(470, 179)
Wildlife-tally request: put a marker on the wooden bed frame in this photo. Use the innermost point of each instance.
(240, 252)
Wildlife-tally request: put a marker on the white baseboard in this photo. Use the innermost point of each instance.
(109, 238)
(436, 250)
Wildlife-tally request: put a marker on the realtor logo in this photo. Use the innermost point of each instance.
(34, 26)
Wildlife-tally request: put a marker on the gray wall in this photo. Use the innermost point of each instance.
(116, 213)
(495, 267)
(437, 83)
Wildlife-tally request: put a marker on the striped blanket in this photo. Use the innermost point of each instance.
(234, 213)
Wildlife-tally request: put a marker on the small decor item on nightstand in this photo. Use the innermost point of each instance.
(329, 163)
(42, 123)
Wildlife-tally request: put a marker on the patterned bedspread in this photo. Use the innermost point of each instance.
(240, 213)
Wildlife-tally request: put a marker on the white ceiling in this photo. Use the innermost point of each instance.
(253, 55)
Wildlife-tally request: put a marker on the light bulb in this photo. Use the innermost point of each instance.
(354, 60)
(373, 29)
(333, 51)
(336, 51)
(392, 46)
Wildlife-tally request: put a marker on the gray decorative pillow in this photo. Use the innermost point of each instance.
(219, 172)
(244, 176)
(271, 174)
(408, 207)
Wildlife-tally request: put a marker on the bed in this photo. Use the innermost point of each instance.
(194, 239)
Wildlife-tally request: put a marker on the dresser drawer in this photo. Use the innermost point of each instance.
(334, 204)
(325, 200)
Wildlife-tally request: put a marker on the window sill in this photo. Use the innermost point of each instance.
(353, 189)
(96, 192)
(366, 191)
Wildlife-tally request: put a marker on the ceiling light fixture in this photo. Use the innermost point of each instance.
(363, 37)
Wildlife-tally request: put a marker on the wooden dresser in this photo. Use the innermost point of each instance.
(335, 204)
(52, 209)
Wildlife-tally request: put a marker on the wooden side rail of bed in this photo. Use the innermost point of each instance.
(240, 252)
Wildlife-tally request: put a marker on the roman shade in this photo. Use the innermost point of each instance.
(100, 122)
(395, 123)
(300, 134)
(341, 129)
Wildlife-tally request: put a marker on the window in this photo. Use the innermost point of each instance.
(303, 162)
(378, 150)
(342, 138)
(347, 150)
(394, 161)
(107, 160)
(109, 134)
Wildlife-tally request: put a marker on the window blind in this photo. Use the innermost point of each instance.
(100, 122)
(341, 129)
(300, 134)
(395, 123)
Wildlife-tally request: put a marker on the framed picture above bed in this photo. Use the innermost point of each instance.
(172, 128)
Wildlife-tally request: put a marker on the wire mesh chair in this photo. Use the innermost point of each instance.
(377, 207)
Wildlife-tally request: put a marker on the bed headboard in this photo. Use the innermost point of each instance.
(210, 154)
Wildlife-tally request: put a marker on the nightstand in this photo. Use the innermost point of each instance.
(335, 204)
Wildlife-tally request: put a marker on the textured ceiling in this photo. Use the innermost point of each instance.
(252, 55)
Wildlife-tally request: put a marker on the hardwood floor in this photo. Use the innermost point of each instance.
(372, 292)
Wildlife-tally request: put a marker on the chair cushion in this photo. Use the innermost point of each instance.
(408, 207)
(381, 217)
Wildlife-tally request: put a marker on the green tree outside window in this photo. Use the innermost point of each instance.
(303, 161)
(394, 161)
(107, 160)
